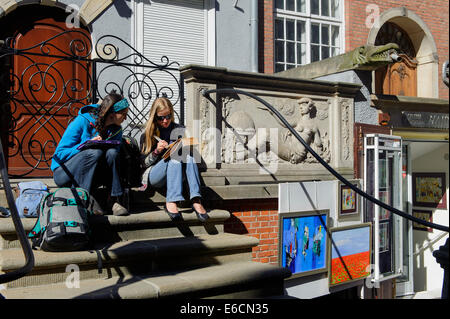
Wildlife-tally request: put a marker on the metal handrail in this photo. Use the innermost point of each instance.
(26, 247)
(206, 94)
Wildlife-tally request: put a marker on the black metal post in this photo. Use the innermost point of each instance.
(181, 95)
(94, 82)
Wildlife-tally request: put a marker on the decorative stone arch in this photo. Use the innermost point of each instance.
(88, 12)
(424, 45)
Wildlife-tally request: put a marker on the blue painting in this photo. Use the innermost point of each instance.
(304, 243)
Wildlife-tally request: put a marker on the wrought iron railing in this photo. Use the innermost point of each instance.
(39, 89)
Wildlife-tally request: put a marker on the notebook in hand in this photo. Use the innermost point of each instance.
(104, 144)
(173, 147)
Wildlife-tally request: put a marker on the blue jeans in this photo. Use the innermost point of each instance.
(170, 173)
(82, 166)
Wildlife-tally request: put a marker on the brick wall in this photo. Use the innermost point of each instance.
(257, 218)
(266, 34)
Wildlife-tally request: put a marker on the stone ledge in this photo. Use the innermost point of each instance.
(407, 103)
(233, 78)
(156, 217)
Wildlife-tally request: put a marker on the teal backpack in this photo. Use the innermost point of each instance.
(63, 220)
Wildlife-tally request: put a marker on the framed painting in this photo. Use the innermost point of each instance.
(348, 200)
(429, 190)
(425, 215)
(303, 242)
(384, 214)
(350, 253)
(384, 237)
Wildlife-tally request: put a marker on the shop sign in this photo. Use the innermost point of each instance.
(425, 120)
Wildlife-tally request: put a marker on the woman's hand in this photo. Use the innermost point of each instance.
(162, 145)
(97, 138)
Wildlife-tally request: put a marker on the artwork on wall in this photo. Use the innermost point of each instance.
(348, 200)
(350, 253)
(429, 190)
(384, 237)
(384, 213)
(424, 215)
(303, 242)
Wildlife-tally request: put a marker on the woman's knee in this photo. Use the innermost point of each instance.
(93, 154)
(111, 155)
(60, 177)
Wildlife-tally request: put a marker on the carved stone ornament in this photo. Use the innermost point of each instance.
(252, 133)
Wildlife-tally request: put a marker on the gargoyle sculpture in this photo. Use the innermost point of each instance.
(366, 57)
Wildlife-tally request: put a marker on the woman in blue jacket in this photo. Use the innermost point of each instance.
(74, 167)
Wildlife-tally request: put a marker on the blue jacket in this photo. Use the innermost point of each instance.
(80, 130)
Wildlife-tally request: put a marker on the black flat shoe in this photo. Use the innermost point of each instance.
(201, 217)
(173, 216)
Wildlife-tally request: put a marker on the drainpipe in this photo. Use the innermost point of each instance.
(254, 35)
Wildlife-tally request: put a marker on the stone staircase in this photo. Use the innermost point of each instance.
(144, 255)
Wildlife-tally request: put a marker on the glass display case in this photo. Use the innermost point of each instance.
(383, 180)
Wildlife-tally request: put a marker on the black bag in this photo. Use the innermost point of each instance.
(130, 163)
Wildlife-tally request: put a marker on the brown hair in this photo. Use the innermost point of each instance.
(104, 110)
(151, 128)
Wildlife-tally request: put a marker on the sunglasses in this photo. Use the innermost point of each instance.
(164, 117)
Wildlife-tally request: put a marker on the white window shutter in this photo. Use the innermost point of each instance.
(176, 29)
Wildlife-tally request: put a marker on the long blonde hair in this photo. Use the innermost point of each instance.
(151, 128)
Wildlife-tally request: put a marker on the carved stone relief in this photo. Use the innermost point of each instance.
(207, 131)
(346, 110)
(251, 133)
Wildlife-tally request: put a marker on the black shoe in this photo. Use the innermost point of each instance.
(201, 217)
(173, 216)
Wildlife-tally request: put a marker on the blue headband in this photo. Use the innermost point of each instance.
(119, 106)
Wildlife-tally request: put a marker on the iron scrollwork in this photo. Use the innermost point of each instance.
(38, 94)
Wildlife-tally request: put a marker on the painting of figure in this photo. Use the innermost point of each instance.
(303, 243)
(348, 201)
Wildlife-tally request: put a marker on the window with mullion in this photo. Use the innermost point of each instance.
(301, 38)
(325, 8)
(290, 43)
(291, 5)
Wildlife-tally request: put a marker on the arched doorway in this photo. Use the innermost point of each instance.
(45, 85)
(423, 42)
(399, 78)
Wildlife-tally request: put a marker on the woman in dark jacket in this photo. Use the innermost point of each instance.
(160, 131)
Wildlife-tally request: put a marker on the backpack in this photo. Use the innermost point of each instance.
(63, 221)
(30, 195)
(130, 162)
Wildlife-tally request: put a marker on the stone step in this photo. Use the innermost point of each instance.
(243, 279)
(130, 257)
(210, 192)
(143, 225)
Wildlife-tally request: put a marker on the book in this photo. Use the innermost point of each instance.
(175, 146)
(104, 144)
